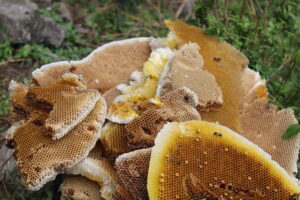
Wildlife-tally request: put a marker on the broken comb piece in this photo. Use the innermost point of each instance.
(79, 188)
(264, 124)
(203, 160)
(186, 70)
(114, 140)
(98, 168)
(178, 105)
(225, 63)
(132, 170)
(40, 159)
(68, 102)
(102, 69)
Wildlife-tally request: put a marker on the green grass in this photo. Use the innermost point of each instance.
(267, 32)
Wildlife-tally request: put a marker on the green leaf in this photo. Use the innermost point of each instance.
(286, 88)
(292, 131)
(297, 57)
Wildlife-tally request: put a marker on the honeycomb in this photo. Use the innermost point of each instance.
(185, 70)
(79, 188)
(15, 87)
(19, 107)
(264, 125)
(204, 160)
(142, 87)
(259, 90)
(225, 63)
(114, 140)
(110, 95)
(132, 168)
(97, 168)
(249, 79)
(40, 158)
(68, 102)
(179, 105)
(104, 68)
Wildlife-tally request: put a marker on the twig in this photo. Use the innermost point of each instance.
(5, 189)
(253, 8)
(179, 10)
(13, 61)
(243, 9)
(287, 58)
(5, 119)
(260, 9)
(226, 12)
(157, 9)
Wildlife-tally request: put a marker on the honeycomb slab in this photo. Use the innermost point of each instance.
(203, 160)
(40, 158)
(104, 68)
(98, 168)
(225, 63)
(132, 169)
(79, 188)
(178, 105)
(68, 101)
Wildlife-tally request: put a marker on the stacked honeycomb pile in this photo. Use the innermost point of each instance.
(181, 117)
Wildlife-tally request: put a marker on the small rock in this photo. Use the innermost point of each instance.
(24, 24)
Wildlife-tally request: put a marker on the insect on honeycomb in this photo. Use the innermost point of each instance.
(68, 102)
(104, 68)
(225, 63)
(178, 105)
(132, 169)
(113, 139)
(79, 188)
(98, 168)
(185, 70)
(40, 159)
(203, 160)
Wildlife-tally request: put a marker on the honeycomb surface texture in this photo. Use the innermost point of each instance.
(132, 169)
(225, 63)
(98, 168)
(142, 87)
(113, 139)
(79, 188)
(68, 101)
(19, 106)
(40, 158)
(104, 68)
(185, 70)
(110, 95)
(259, 90)
(178, 105)
(203, 160)
(264, 125)
(249, 78)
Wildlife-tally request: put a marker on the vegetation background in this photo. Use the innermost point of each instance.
(266, 31)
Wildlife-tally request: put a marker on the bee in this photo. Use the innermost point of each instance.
(218, 134)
